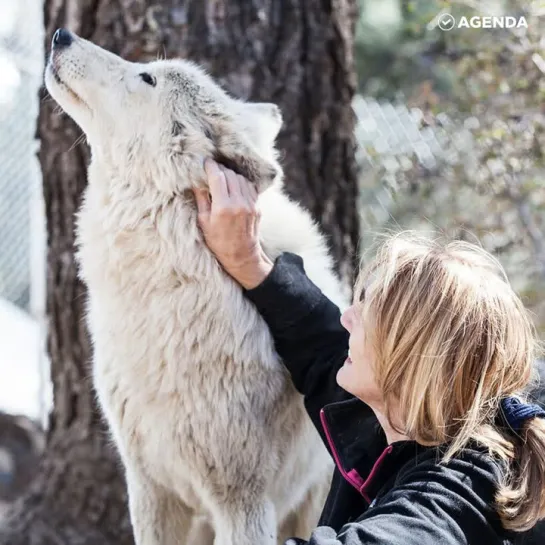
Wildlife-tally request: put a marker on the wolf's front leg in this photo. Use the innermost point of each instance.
(158, 517)
(304, 518)
(245, 523)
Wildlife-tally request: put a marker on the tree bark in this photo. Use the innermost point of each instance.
(296, 53)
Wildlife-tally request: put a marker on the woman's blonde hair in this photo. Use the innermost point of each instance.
(451, 340)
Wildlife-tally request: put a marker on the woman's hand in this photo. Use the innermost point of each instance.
(229, 219)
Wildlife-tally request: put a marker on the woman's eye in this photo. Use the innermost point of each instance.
(149, 79)
(361, 297)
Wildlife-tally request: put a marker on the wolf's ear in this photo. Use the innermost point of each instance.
(265, 118)
(247, 144)
(244, 141)
(237, 154)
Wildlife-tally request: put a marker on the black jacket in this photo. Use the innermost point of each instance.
(388, 495)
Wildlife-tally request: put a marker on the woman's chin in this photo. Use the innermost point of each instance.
(345, 377)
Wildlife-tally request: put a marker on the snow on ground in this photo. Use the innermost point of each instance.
(20, 361)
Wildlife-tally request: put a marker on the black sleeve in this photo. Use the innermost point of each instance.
(306, 329)
(434, 506)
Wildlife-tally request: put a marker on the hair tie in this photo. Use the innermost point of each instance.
(516, 412)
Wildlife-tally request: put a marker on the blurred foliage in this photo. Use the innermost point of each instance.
(485, 89)
(395, 53)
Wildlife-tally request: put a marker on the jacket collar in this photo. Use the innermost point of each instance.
(359, 447)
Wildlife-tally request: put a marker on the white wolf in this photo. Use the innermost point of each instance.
(203, 413)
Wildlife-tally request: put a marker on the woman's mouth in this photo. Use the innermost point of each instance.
(348, 360)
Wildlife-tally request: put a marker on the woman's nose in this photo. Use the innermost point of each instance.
(347, 318)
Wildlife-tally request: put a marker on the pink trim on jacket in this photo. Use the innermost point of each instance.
(352, 476)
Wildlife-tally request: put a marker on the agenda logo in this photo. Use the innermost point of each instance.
(447, 22)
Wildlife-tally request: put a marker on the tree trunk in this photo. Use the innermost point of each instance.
(296, 53)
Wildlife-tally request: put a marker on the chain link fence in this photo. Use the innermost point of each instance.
(387, 132)
(21, 60)
(23, 366)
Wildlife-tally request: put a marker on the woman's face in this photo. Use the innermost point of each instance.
(357, 375)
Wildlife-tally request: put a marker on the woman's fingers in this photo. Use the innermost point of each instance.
(217, 183)
(253, 191)
(248, 192)
(233, 186)
(229, 191)
(203, 202)
(229, 225)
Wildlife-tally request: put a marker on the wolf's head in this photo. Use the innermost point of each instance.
(159, 120)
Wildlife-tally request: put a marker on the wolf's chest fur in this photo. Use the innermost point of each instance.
(180, 354)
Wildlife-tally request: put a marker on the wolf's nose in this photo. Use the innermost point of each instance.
(62, 38)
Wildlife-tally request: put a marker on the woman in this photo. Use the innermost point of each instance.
(413, 390)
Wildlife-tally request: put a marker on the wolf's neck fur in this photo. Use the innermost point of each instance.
(139, 223)
(147, 248)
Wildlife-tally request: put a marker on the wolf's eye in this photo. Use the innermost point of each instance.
(147, 78)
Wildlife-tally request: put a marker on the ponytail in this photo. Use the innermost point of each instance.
(521, 498)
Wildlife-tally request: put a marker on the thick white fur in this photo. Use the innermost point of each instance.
(209, 427)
